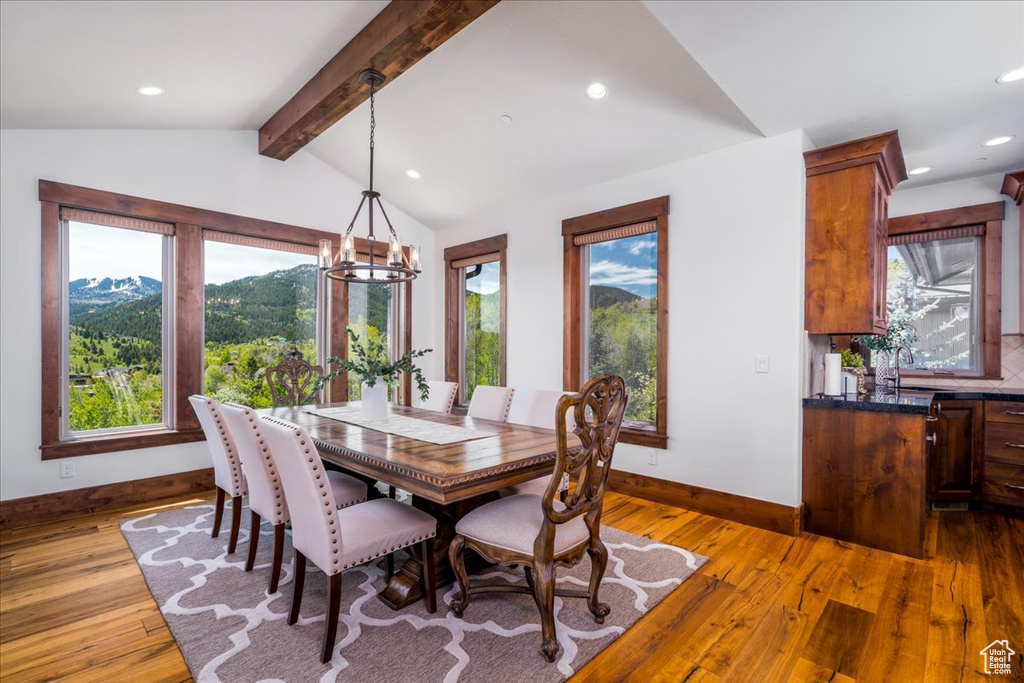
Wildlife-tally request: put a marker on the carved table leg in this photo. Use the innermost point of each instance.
(405, 586)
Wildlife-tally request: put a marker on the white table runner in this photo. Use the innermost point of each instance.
(402, 425)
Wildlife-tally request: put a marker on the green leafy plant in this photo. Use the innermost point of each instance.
(371, 360)
(901, 332)
(851, 359)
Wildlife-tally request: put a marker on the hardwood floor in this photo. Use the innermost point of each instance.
(766, 607)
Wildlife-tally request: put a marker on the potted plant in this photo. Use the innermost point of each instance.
(853, 365)
(371, 363)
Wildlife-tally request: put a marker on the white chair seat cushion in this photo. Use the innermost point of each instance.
(513, 524)
(381, 526)
(347, 489)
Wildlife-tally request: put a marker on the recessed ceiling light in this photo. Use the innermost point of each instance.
(415, 175)
(919, 170)
(505, 118)
(1012, 75)
(150, 90)
(1001, 140)
(979, 160)
(597, 90)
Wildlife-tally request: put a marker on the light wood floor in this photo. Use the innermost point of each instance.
(766, 607)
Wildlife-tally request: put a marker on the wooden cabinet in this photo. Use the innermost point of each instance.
(848, 190)
(864, 477)
(955, 458)
(1003, 482)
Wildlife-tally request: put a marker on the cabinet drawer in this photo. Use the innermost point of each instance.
(1004, 442)
(1004, 411)
(1003, 484)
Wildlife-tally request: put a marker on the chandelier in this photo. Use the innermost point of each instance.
(396, 266)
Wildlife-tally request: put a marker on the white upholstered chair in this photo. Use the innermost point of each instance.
(442, 396)
(537, 410)
(334, 539)
(266, 496)
(227, 468)
(491, 403)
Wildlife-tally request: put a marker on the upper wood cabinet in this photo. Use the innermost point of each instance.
(848, 190)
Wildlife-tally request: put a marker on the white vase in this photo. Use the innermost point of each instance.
(375, 401)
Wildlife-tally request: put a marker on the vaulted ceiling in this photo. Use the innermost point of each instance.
(685, 78)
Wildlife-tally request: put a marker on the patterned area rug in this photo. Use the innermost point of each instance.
(230, 629)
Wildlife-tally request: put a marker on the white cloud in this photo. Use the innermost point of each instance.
(638, 247)
(619, 274)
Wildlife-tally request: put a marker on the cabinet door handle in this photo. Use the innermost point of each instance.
(1013, 486)
(1015, 412)
(929, 418)
(934, 438)
(1015, 445)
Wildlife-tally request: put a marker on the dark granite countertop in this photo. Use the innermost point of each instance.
(914, 400)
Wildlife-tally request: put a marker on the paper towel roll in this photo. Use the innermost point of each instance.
(833, 374)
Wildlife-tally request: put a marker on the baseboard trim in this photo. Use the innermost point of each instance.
(54, 507)
(751, 511)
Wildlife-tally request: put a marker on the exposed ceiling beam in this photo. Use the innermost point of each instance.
(403, 33)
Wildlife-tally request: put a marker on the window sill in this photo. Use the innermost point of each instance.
(641, 436)
(119, 442)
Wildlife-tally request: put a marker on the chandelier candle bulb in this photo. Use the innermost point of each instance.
(414, 258)
(325, 254)
(395, 252)
(348, 250)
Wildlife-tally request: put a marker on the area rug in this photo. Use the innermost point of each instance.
(230, 629)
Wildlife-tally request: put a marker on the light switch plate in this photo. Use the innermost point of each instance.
(652, 456)
(67, 470)
(761, 364)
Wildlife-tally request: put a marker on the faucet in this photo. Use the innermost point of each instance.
(898, 351)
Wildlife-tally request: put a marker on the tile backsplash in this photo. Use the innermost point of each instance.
(1013, 370)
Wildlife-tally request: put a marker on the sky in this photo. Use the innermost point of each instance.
(488, 281)
(98, 252)
(630, 263)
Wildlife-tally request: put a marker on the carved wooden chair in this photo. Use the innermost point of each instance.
(334, 539)
(266, 496)
(227, 468)
(541, 532)
(293, 381)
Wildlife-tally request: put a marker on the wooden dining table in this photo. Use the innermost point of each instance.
(447, 481)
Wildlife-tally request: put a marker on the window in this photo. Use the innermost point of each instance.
(116, 332)
(261, 302)
(475, 315)
(616, 282)
(944, 290)
(125, 284)
(371, 316)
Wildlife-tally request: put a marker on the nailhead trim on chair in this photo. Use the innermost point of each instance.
(229, 447)
(271, 468)
(388, 552)
(508, 405)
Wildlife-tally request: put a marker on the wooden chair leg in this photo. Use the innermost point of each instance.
(333, 606)
(429, 575)
(389, 567)
(457, 561)
(218, 513)
(236, 523)
(298, 582)
(254, 539)
(544, 594)
(598, 561)
(275, 567)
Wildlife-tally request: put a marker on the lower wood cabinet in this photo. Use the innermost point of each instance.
(955, 461)
(1003, 482)
(865, 477)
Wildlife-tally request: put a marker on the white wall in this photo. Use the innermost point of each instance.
(736, 239)
(967, 192)
(217, 170)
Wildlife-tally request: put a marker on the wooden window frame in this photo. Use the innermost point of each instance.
(990, 216)
(656, 209)
(188, 338)
(453, 306)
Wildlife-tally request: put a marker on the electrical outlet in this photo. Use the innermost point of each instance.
(67, 470)
(761, 364)
(652, 456)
